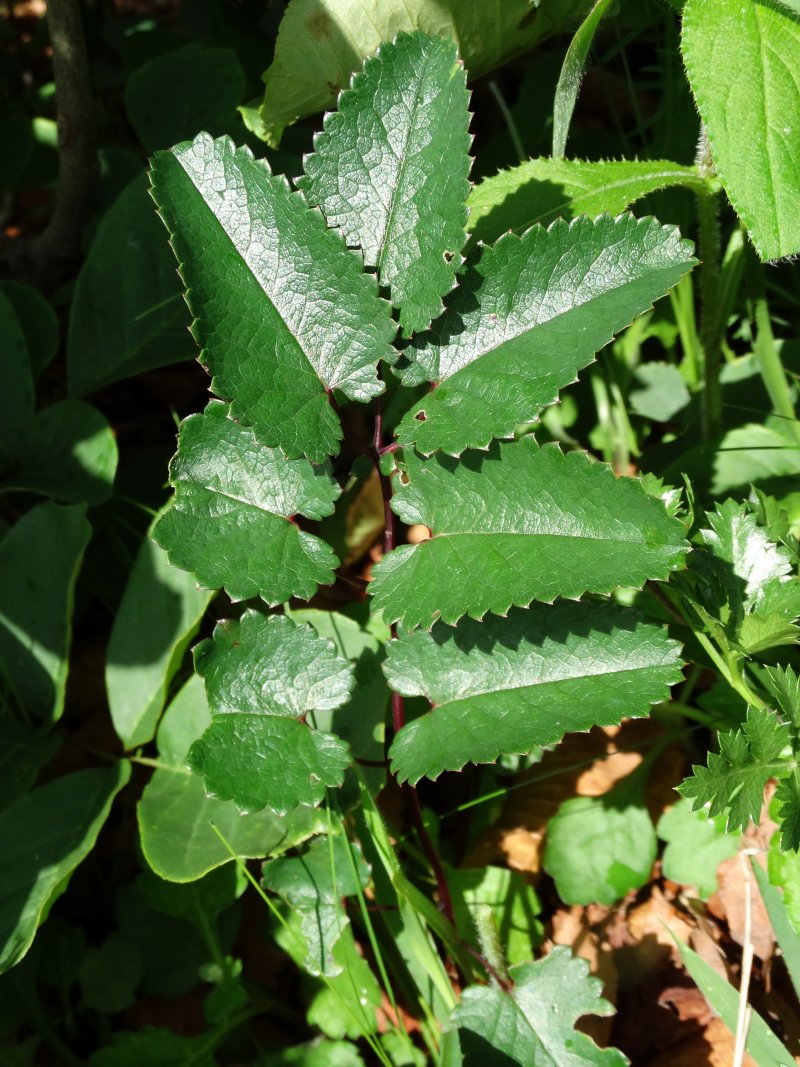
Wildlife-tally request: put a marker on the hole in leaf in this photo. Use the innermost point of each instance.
(420, 417)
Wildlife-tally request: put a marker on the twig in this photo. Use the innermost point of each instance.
(60, 242)
(743, 1016)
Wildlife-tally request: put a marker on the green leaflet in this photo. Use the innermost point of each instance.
(321, 42)
(391, 171)
(159, 613)
(229, 522)
(43, 838)
(515, 524)
(39, 562)
(542, 190)
(696, 845)
(314, 884)
(264, 678)
(742, 62)
(177, 818)
(735, 777)
(534, 1023)
(284, 312)
(530, 313)
(506, 684)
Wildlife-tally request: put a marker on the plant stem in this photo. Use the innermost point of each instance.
(61, 240)
(710, 327)
(398, 706)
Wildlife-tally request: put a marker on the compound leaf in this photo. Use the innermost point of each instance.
(314, 884)
(735, 777)
(504, 685)
(535, 1021)
(230, 521)
(177, 819)
(543, 190)
(391, 170)
(531, 312)
(515, 524)
(284, 312)
(264, 678)
(742, 61)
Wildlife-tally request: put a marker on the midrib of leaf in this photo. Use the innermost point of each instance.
(387, 234)
(206, 204)
(542, 533)
(240, 500)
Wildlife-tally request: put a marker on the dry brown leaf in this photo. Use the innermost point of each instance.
(571, 927)
(710, 1047)
(730, 903)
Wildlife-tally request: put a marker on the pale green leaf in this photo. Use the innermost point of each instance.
(511, 902)
(43, 838)
(571, 74)
(742, 60)
(545, 189)
(158, 615)
(599, 848)
(784, 872)
(534, 1023)
(735, 777)
(177, 819)
(127, 314)
(179, 92)
(230, 522)
(284, 312)
(314, 884)
(264, 677)
(322, 42)
(530, 313)
(515, 524)
(391, 171)
(505, 685)
(760, 1042)
(315, 1054)
(67, 451)
(696, 845)
(787, 937)
(658, 391)
(39, 562)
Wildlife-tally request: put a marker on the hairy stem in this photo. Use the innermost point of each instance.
(398, 706)
(710, 325)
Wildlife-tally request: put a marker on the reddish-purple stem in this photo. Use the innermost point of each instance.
(398, 708)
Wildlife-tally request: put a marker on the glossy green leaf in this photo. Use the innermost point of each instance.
(264, 677)
(158, 615)
(571, 74)
(391, 171)
(38, 321)
(515, 524)
(314, 884)
(530, 313)
(600, 848)
(16, 402)
(742, 62)
(177, 819)
(39, 562)
(735, 777)
(545, 189)
(43, 837)
(321, 42)
(179, 92)
(128, 315)
(760, 1042)
(534, 1023)
(68, 452)
(300, 316)
(505, 685)
(23, 752)
(230, 522)
(696, 845)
